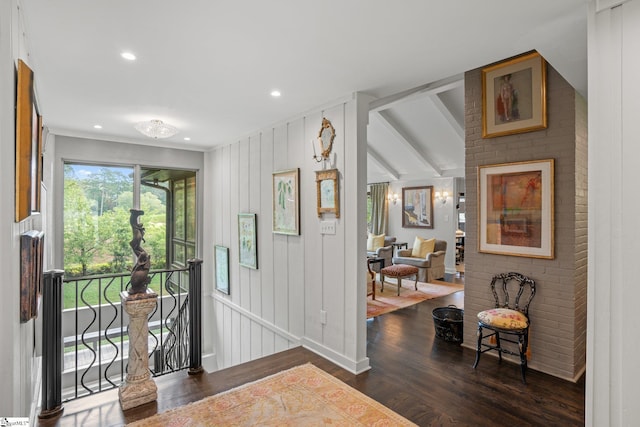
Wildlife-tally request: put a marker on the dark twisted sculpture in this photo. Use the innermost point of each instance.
(140, 272)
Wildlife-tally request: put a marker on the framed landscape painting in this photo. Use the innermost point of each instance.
(248, 240)
(286, 209)
(516, 209)
(514, 98)
(417, 207)
(222, 269)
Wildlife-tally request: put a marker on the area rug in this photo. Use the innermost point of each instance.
(389, 300)
(301, 396)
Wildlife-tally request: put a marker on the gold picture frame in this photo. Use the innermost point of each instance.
(28, 175)
(516, 209)
(514, 96)
(328, 193)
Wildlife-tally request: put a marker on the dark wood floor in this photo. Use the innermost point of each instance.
(429, 381)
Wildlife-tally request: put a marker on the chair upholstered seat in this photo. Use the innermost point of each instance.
(504, 318)
(398, 271)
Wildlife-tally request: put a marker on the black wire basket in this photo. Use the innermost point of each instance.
(448, 322)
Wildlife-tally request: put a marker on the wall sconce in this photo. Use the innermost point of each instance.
(442, 197)
(393, 198)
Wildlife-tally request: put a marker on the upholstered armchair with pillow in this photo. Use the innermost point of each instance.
(379, 246)
(427, 255)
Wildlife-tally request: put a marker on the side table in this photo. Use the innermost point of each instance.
(399, 245)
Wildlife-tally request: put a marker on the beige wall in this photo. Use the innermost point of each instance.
(558, 312)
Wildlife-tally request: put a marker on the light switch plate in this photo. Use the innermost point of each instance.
(328, 227)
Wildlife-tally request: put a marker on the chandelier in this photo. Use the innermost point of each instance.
(156, 129)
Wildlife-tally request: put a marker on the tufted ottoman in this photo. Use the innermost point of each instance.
(399, 272)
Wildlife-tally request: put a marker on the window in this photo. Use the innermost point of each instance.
(179, 188)
(97, 200)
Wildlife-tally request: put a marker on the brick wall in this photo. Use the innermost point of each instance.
(558, 312)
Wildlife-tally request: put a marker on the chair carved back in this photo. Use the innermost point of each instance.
(525, 287)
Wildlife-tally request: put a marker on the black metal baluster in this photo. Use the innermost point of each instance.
(195, 316)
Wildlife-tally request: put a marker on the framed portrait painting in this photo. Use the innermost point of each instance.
(417, 207)
(286, 208)
(248, 240)
(328, 196)
(514, 98)
(222, 269)
(516, 209)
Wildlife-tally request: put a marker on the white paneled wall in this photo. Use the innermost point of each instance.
(279, 305)
(613, 373)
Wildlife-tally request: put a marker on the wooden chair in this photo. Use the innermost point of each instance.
(510, 320)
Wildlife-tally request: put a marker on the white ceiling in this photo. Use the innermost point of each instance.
(207, 66)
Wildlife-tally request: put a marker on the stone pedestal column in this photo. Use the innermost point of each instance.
(139, 388)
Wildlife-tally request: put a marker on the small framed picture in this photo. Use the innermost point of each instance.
(222, 269)
(515, 209)
(248, 240)
(327, 192)
(286, 208)
(514, 96)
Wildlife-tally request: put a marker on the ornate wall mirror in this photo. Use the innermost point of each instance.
(326, 135)
(327, 192)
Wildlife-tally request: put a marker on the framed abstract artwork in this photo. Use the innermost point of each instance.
(286, 208)
(327, 190)
(516, 209)
(222, 269)
(28, 175)
(417, 207)
(514, 96)
(248, 240)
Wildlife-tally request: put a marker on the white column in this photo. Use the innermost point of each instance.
(613, 327)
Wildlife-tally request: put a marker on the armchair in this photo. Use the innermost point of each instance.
(431, 267)
(385, 252)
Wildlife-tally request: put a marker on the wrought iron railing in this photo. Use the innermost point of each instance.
(92, 341)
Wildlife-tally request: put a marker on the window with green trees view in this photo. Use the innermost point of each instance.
(97, 232)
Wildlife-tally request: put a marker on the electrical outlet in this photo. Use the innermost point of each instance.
(323, 317)
(328, 227)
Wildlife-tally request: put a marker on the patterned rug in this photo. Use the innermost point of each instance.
(388, 300)
(301, 396)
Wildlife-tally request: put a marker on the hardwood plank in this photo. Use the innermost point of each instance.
(429, 381)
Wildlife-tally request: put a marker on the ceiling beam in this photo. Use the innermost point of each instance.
(402, 136)
(423, 90)
(446, 113)
(382, 163)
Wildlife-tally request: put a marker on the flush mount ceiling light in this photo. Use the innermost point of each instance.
(156, 129)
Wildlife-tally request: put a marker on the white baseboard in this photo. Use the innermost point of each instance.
(353, 366)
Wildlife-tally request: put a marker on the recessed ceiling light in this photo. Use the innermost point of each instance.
(186, 138)
(275, 93)
(128, 55)
(97, 126)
